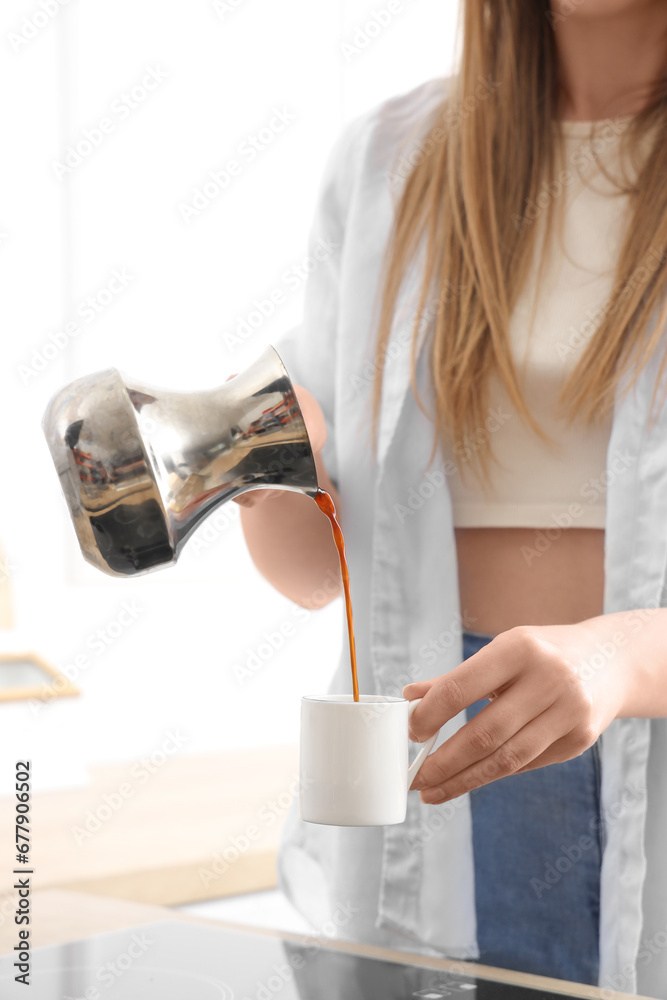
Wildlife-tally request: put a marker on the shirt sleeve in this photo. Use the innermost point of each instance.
(309, 350)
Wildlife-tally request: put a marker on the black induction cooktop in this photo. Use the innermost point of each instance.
(181, 961)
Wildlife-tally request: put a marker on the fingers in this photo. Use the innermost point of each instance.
(513, 756)
(416, 690)
(245, 500)
(484, 734)
(484, 672)
(566, 748)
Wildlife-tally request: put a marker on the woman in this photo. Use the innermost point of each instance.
(496, 447)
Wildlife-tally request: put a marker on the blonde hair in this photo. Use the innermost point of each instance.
(464, 203)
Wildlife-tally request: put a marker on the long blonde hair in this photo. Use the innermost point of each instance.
(465, 203)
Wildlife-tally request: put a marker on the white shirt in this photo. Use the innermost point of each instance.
(411, 885)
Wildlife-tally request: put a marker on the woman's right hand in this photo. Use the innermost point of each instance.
(317, 432)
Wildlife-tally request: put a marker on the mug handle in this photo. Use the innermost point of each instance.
(426, 747)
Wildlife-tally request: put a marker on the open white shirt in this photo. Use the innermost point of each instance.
(411, 885)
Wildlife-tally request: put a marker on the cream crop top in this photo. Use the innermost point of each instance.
(535, 485)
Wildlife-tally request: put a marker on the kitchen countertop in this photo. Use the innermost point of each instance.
(60, 916)
(199, 827)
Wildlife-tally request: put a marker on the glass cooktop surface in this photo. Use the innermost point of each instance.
(180, 961)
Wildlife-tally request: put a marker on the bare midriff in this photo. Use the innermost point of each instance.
(518, 576)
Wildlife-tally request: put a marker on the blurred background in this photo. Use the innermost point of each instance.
(119, 247)
(126, 241)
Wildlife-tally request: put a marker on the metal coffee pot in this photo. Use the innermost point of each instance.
(141, 467)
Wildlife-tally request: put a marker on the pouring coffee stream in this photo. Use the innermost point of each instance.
(326, 505)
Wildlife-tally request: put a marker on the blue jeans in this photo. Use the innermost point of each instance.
(537, 843)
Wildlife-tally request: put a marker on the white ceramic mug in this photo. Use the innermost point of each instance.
(353, 764)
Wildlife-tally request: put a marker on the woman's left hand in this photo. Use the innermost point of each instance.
(552, 690)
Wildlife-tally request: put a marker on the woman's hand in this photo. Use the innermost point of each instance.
(317, 432)
(552, 689)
